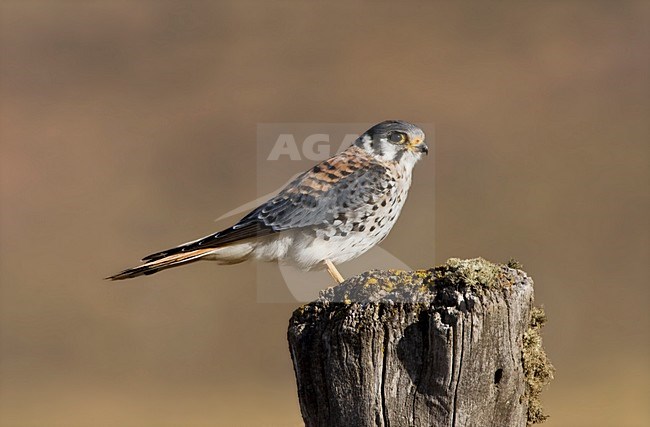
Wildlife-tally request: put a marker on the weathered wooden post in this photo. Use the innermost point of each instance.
(457, 345)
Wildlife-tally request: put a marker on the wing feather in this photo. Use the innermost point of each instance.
(328, 191)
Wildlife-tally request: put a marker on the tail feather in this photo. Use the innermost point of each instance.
(152, 267)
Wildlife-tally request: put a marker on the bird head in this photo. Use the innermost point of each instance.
(394, 140)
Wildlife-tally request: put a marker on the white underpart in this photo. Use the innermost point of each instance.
(231, 254)
(274, 247)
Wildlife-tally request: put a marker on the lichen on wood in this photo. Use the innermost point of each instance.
(444, 346)
(537, 368)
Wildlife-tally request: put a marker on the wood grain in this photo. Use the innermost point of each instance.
(439, 347)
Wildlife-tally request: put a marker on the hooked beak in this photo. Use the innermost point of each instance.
(420, 147)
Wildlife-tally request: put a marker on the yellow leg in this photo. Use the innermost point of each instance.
(334, 272)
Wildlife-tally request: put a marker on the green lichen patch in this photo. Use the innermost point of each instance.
(456, 275)
(537, 367)
(513, 263)
(474, 273)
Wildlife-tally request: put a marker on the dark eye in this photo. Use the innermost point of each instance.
(397, 137)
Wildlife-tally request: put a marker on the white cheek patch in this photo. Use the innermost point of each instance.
(366, 143)
(384, 150)
(389, 151)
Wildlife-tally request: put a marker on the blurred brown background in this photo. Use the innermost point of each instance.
(127, 127)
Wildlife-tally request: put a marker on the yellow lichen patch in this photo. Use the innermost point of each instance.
(388, 285)
(421, 274)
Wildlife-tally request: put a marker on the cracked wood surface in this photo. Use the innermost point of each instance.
(439, 347)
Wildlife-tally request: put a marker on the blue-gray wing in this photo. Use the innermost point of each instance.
(332, 190)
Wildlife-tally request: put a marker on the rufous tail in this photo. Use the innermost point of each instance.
(170, 261)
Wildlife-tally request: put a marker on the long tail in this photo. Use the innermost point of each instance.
(170, 261)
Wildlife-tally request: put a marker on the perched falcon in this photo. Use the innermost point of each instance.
(330, 214)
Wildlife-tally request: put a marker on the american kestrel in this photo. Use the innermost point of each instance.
(330, 214)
